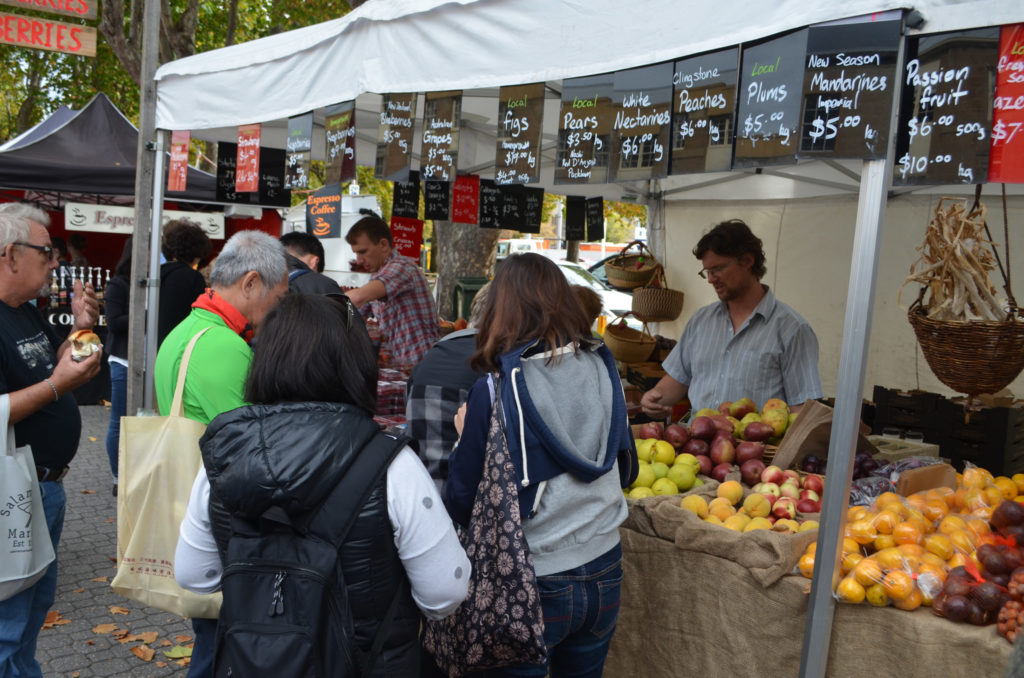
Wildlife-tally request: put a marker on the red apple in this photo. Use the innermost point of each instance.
(702, 428)
(791, 474)
(750, 470)
(791, 490)
(808, 506)
(720, 471)
(724, 422)
(773, 474)
(651, 429)
(772, 498)
(705, 464)
(814, 482)
(784, 507)
(758, 431)
(809, 494)
(676, 435)
(723, 435)
(695, 446)
(722, 451)
(770, 488)
(748, 450)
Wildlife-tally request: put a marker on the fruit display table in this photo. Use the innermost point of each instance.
(691, 608)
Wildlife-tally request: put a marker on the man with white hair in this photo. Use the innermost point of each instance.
(249, 277)
(37, 372)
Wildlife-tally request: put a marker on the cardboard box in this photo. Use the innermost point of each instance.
(810, 434)
(894, 449)
(925, 478)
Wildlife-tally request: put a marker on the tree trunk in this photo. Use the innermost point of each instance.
(232, 22)
(462, 250)
(572, 251)
(28, 105)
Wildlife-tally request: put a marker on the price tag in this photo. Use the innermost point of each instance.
(247, 159)
(704, 100)
(437, 200)
(584, 123)
(405, 201)
(1006, 162)
(440, 142)
(575, 217)
(490, 204)
(395, 135)
(298, 146)
(642, 105)
(520, 120)
(340, 140)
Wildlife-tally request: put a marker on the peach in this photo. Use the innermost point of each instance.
(731, 490)
(721, 509)
(758, 524)
(757, 506)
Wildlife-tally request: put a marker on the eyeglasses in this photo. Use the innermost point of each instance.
(714, 270)
(50, 252)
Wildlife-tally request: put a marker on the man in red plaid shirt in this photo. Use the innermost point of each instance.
(397, 292)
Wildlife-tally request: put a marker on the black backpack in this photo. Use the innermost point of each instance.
(286, 611)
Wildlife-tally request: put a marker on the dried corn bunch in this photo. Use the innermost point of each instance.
(954, 265)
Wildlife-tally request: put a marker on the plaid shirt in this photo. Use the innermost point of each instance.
(406, 314)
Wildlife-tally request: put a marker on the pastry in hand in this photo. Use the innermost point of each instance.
(83, 344)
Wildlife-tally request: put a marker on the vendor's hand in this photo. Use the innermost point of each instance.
(69, 375)
(460, 419)
(85, 307)
(653, 405)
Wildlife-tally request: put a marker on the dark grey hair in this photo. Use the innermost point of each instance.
(250, 251)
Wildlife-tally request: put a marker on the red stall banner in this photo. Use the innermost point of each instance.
(177, 169)
(1006, 159)
(247, 162)
(466, 199)
(407, 236)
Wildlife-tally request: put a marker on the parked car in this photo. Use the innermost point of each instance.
(615, 303)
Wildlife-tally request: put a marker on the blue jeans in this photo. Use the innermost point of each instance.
(580, 607)
(201, 665)
(22, 616)
(118, 405)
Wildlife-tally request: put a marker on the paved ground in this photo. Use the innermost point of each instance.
(84, 598)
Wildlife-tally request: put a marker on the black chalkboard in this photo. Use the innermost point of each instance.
(439, 141)
(298, 146)
(520, 122)
(437, 200)
(340, 141)
(595, 219)
(227, 154)
(703, 112)
(406, 197)
(533, 208)
(944, 132)
(768, 115)
(271, 182)
(584, 130)
(512, 197)
(490, 204)
(642, 123)
(575, 217)
(849, 82)
(395, 136)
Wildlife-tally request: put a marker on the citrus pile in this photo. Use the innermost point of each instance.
(662, 471)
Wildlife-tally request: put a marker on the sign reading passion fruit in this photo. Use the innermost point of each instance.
(642, 102)
(584, 130)
(520, 118)
(440, 144)
(394, 136)
(703, 107)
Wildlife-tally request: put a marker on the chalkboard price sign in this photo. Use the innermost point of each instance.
(247, 158)
(533, 207)
(340, 138)
(437, 200)
(440, 147)
(466, 199)
(848, 87)
(1006, 162)
(595, 218)
(490, 204)
(520, 118)
(584, 130)
(703, 106)
(642, 102)
(944, 127)
(767, 119)
(512, 199)
(298, 146)
(575, 217)
(406, 197)
(395, 136)
(271, 190)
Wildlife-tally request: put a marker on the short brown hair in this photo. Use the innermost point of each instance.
(589, 300)
(375, 228)
(733, 238)
(529, 299)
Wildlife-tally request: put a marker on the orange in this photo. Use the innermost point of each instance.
(950, 524)
(911, 601)
(884, 541)
(889, 559)
(964, 540)
(944, 494)
(868, 572)
(850, 561)
(925, 526)
(975, 477)
(1018, 480)
(811, 549)
(806, 565)
(908, 533)
(994, 495)
(886, 520)
(975, 499)
(861, 531)
(934, 561)
(875, 595)
(935, 510)
(959, 480)
(849, 591)
(855, 513)
(978, 527)
(957, 560)
(930, 579)
(898, 585)
(940, 545)
(850, 546)
(886, 498)
(960, 498)
(1007, 487)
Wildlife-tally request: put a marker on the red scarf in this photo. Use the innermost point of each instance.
(216, 304)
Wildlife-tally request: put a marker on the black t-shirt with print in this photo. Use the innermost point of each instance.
(28, 354)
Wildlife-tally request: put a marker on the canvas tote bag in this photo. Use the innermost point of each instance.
(159, 459)
(26, 550)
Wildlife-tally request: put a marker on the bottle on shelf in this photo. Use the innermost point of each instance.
(98, 285)
(62, 290)
(54, 290)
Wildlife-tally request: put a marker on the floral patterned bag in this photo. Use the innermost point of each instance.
(500, 623)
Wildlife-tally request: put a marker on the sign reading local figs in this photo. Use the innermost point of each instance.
(768, 115)
(298, 147)
(1006, 159)
(177, 168)
(704, 102)
(394, 136)
(849, 82)
(520, 118)
(247, 159)
(584, 130)
(340, 139)
(439, 149)
(641, 128)
(32, 32)
(945, 109)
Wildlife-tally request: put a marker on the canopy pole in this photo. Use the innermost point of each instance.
(153, 288)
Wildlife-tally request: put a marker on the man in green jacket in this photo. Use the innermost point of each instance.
(249, 277)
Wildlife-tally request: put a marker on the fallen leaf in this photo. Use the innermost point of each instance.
(104, 628)
(88, 491)
(147, 637)
(110, 520)
(112, 559)
(184, 661)
(93, 439)
(165, 643)
(90, 642)
(121, 633)
(79, 590)
(75, 674)
(117, 609)
(102, 579)
(142, 652)
(182, 638)
(178, 651)
(53, 618)
(161, 664)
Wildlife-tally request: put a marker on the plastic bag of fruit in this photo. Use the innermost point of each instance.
(899, 576)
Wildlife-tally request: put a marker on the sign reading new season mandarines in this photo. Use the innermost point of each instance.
(298, 147)
(849, 82)
(440, 148)
(394, 136)
(642, 102)
(584, 130)
(703, 106)
(768, 115)
(1006, 160)
(520, 118)
(945, 109)
(340, 137)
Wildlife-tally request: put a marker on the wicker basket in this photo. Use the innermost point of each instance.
(627, 344)
(973, 356)
(622, 271)
(657, 304)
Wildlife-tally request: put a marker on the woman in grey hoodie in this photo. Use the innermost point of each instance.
(565, 425)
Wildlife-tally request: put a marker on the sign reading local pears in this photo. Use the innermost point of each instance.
(442, 112)
(394, 136)
(641, 128)
(584, 130)
(177, 168)
(946, 108)
(768, 115)
(703, 108)
(520, 118)
(340, 139)
(298, 147)
(849, 82)
(1006, 160)
(247, 159)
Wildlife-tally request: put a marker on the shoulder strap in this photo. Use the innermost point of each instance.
(292, 275)
(177, 404)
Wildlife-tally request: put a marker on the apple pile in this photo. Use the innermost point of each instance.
(662, 471)
(789, 492)
(730, 509)
(768, 425)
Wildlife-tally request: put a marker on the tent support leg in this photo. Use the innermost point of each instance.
(153, 288)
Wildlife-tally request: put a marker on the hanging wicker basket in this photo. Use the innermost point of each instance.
(655, 302)
(626, 344)
(630, 270)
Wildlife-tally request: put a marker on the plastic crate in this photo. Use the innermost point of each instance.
(992, 437)
(908, 411)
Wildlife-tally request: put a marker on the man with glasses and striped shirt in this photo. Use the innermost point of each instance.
(747, 344)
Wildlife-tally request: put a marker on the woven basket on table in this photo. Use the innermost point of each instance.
(657, 304)
(627, 344)
(629, 270)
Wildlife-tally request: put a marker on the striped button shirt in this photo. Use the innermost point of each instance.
(773, 355)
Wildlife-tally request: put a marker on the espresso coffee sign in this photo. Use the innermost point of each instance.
(298, 146)
(394, 137)
(642, 102)
(767, 119)
(703, 104)
(584, 130)
(340, 137)
(848, 89)
(520, 118)
(945, 109)
(440, 147)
